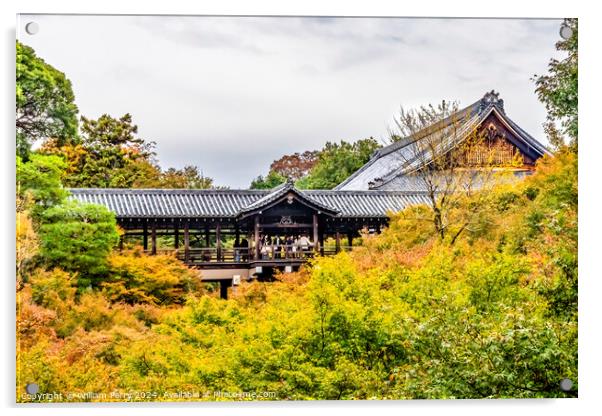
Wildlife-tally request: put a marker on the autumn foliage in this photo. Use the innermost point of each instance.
(405, 316)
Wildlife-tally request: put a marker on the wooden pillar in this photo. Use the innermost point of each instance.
(237, 250)
(206, 236)
(321, 244)
(350, 239)
(218, 241)
(154, 239)
(176, 242)
(186, 243)
(145, 236)
(337, 242)
(121, 238)
(256, 239)
(223, 288)
(315, 227)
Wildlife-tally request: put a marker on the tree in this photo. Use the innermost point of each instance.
(272, 180)
(158, 280)
(336, 161)
(27, 246)
(295, 166)
(319, 169)
(405, 316)
(39, 180)
(559, 90)
(188, 177)
(430, 133)
(78, 237)
(110, 155)
(45, 105)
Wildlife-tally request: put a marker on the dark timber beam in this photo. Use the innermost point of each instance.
(256, 239)
(218, 241)
(223, 288)
(321, 243)
(154, 238)
(337, 242)
(315, 228)
(186, 243)
(176, 242)
(145, 236)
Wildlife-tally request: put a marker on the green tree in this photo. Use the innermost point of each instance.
(271, 180)
(45, 105)
(336, 162)
(322, 169)
(558, 90)
(110, 155)
(78, 237)
(39, 180)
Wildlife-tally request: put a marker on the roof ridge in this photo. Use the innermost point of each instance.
(342, 204)
(281, 190)
(167, 190)
(488, 100)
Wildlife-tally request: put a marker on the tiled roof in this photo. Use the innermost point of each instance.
(279, 192)
(417, 183)
(173, 203)
(399, 158)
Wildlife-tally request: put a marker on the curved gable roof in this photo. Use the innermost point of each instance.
(398, 158)
(278, 194)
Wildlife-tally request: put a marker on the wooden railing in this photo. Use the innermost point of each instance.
(243, 255)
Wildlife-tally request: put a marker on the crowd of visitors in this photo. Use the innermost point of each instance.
(276, 247)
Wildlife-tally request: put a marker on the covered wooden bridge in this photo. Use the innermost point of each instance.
(241, 234)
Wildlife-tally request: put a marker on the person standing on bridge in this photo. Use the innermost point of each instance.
(244, 249)
(304, 243)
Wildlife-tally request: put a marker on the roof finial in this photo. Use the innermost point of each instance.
(492, 98)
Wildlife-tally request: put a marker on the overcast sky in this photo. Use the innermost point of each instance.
(230, 95)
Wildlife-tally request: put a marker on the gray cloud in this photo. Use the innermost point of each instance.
(232, 94)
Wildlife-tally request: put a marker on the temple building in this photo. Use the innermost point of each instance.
(234, 235)
(394, 167)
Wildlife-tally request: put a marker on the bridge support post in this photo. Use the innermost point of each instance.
(176, 243)
(154, 239)
(256, 239)
(218, 241)
(145, 236)
(186, 243)
(337, 242)
(315, 227)
(321, 244)
(223, 288)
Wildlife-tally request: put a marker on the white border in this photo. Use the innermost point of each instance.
(590, 149)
